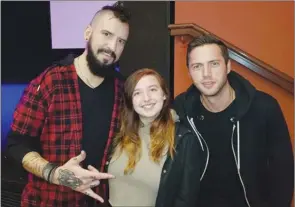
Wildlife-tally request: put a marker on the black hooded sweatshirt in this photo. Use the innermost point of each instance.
(255, 142)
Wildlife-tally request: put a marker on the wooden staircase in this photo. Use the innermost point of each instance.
(187, 31)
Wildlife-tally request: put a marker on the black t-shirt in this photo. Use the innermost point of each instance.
(220, 186)
(97, 106)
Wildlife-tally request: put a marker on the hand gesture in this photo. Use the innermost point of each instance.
(72, 175)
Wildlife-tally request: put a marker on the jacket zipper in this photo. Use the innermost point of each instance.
(192, 124)
(200, 138)
(237, 162)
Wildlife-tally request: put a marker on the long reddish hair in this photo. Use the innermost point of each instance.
(162, 128)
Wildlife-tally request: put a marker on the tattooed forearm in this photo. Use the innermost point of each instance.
(47, 170)
(68, 178)
(34, 163)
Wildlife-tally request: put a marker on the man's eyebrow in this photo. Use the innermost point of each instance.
(104, 30)
(215, 60)
(198, 63)
(107, 31)
(123, 39)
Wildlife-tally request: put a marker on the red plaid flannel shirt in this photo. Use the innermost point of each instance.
(50, 108)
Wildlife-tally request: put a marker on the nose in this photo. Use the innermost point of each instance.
(207, 71)
(112, 44)
(146, 96)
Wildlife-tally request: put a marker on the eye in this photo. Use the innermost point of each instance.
(123, 42)
(106, 34)
(215, 63)
(135, 94)
(154, 89)
(197, 67)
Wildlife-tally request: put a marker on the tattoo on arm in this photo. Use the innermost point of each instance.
(46, 170)
(68, 178)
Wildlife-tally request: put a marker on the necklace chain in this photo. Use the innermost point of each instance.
(81, 73)
(207, 106)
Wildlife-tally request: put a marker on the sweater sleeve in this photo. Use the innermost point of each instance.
(280, 159)
(19, 145)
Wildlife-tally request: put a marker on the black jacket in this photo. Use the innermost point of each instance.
(180, 178)
(261, 142)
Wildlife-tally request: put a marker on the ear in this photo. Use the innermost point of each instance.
(87, 32)
(164, 97)
(228, 66)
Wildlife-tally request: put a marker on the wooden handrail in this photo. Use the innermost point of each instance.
(261, 68)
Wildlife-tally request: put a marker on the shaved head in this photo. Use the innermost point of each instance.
(116, 11)
(101, 16)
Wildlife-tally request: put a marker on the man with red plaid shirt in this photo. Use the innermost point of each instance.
(64, 122)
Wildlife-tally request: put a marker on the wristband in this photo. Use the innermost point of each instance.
(51, 174)
(47, 169)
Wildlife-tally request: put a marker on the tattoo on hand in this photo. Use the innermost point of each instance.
(68, 178)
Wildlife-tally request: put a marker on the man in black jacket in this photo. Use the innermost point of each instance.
(246, 143)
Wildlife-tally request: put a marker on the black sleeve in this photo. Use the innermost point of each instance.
(19, 145)
(187, 195)
(281, 160)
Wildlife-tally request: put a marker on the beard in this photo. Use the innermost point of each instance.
(97, 67)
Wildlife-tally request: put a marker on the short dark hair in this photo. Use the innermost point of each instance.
(207, 40)
(119, 11)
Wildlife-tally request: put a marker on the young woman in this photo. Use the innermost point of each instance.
(154, 158)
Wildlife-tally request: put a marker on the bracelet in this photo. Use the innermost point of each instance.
(47, 169)
(51, 174)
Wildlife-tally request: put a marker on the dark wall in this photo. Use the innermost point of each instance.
(149, 44)
(26, 40)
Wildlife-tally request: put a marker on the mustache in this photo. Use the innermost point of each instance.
(108, 51)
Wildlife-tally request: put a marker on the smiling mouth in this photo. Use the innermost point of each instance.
(107, 54)
(147, 106)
